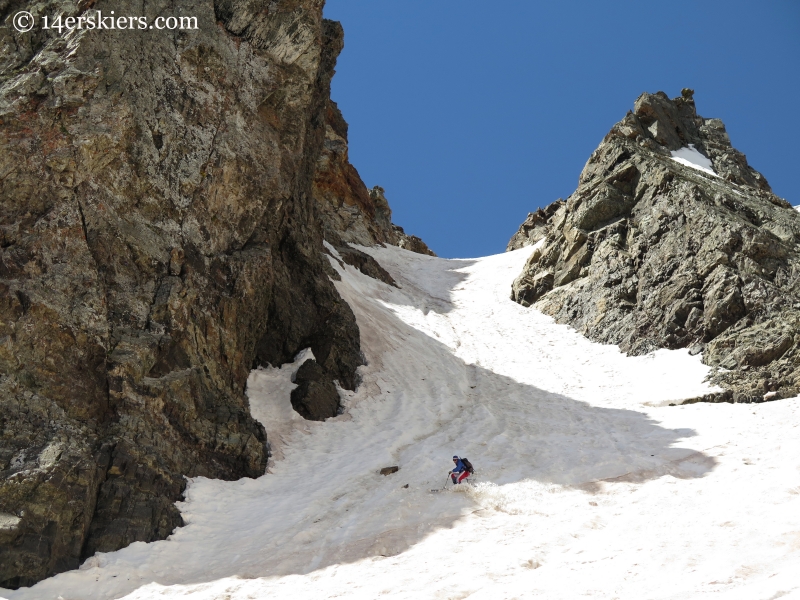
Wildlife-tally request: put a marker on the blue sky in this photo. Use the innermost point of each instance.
(471, 114)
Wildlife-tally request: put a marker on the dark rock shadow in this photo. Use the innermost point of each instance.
(433, 294)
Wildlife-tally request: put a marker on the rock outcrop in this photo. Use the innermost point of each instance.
(352, 214)
(672, 240)
(159, 237)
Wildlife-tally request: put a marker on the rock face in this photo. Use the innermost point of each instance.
(159, 237)
(651, 252)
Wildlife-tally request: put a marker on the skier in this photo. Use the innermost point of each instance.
(460, 472)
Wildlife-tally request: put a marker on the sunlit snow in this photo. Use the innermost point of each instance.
(588, 483)
(691, 157)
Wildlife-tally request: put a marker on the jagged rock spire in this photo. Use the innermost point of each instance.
(655, 249)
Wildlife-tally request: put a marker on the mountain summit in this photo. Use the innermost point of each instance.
(673, 240)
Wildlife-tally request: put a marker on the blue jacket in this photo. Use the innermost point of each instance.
(459, 468)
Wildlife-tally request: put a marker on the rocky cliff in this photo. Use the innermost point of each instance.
(672, 240)
(160, 235)
(352, 214)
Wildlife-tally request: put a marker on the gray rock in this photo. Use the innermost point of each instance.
(696, 348)
(650, 253)
(535, 227)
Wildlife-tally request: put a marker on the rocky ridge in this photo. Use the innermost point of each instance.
(161, 196)
(650, 252)
(350, 213)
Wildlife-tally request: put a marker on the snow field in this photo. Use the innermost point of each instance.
(588, 483)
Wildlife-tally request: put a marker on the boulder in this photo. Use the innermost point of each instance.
(315, 396)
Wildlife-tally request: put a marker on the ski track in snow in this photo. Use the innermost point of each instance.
(588, 483)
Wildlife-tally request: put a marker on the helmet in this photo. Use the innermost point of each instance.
(455, 458)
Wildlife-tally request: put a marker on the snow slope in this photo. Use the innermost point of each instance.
(589, 484)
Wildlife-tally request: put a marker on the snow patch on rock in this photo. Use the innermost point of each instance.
(691, 157)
